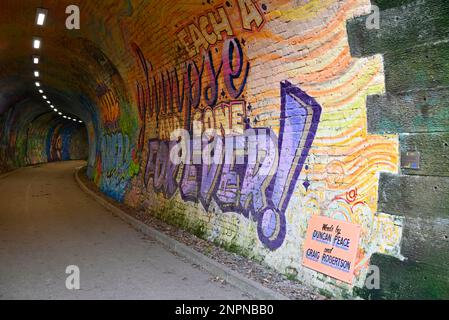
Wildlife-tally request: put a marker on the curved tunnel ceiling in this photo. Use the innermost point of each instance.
(71, 64)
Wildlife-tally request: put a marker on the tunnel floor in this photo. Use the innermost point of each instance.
(47, 223)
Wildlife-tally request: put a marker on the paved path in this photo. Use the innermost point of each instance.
(48, 223)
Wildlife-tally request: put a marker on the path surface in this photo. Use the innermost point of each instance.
(47, 223)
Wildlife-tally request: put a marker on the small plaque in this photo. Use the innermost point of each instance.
(331, 247)
(410, 160)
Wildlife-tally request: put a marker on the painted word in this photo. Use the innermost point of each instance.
(261, 185)
(227, 117)
(208, 29)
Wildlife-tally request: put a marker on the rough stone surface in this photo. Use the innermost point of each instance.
(413, 39)
(48, 223)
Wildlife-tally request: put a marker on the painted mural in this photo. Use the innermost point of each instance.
(269, 89)
(31, 135)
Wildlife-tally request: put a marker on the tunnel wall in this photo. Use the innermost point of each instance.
(359, 117)
(28, 137)
(280, 67)
(413, 41)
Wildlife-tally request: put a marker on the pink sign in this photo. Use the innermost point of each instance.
(331, 247)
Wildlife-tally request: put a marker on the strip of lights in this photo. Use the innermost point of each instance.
(41, 17)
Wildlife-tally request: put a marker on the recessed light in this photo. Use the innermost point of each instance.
(41, 15)
(36, 43)
(60, 113)
(55, 110)
(48, 102)
(80, 121)
(36, 59)
(37, 84)
(41, 91)
(64, 117)
(36, 74)
(44, 97)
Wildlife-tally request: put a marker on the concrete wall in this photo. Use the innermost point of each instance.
(413, 41)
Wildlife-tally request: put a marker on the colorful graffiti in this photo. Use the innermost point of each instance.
(110, 107)
(116, 165)
(222, 65)
(222, 73)
(31, 135)
(239, 187)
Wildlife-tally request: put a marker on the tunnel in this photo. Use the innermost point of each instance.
(307, 138)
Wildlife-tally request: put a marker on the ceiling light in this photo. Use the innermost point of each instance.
(44, 97)
(36, 59)
(36, 74)
(36, 43)
(41, 91)
(37, 84)
(74, 120)
(80, 121)
(52, 106)
(60, 113)
(64, 117)
(41, 15)
(48, 102)
(55, 110)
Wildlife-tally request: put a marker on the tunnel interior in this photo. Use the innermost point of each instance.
(76, 95)
(39, 137)
(358, 116)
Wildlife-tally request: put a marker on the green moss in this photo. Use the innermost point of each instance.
(290, 276)
(199, 230)
(325, 293)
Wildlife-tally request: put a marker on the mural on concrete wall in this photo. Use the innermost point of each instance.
(29, 135)
(239, 187)
(248, 69)
(65, 141)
